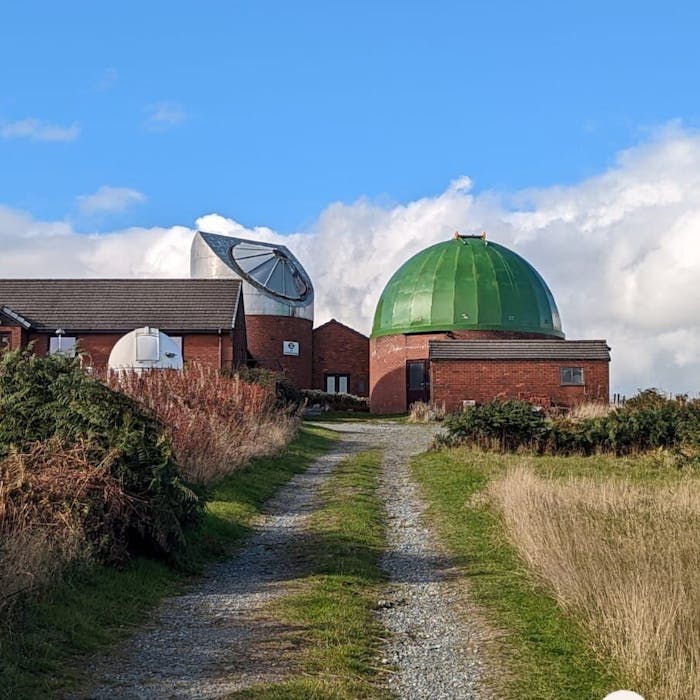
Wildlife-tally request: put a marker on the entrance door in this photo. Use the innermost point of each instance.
(417, 381)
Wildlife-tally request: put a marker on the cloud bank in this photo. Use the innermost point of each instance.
(109, 199)
(38, 130)
(620, 251)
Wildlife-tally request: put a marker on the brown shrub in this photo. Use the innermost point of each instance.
(625, 559)
(56, 508)
(217, 422)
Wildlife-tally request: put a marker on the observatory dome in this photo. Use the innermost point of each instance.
(467, 283)
(274, 281)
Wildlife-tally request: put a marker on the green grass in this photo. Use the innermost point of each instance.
(330, 609)
(41, 653)
(540, 651)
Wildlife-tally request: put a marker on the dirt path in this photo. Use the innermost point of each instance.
(213, 641)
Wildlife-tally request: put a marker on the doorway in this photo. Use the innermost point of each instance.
(417, 381)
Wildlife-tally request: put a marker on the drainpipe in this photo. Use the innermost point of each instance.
(220, 350)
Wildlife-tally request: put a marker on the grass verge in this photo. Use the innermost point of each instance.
(41, 652)
(330, 610)
(544, 650)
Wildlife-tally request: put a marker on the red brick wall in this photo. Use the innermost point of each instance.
(265, 337)
(387, 367)
(18, 336)
(196, 347)
(338, 349)
(452, 381)
(387, 363)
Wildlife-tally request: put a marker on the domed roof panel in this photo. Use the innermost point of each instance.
(467, 284)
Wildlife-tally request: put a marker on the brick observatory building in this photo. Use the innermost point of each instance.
(468, 320)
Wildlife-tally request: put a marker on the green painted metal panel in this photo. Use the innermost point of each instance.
(466, 283)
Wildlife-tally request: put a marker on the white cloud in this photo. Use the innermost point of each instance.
(38, 130)
(165, 115)
(109, 200)
(621, 252)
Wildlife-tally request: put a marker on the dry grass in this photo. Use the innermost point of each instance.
(217, 423)
(592, 409)
(625, 559)
(54, 501)
(421, 412)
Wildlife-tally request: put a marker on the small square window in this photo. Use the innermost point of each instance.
(62, 345)
(5, 341)
(572, 376)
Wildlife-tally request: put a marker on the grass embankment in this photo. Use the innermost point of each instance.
(331, 608)
(40, 654)
(543, 650)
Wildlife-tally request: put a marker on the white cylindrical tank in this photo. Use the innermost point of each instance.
(274, 281)
(145, 348)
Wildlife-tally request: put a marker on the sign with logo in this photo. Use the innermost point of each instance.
(290, 347)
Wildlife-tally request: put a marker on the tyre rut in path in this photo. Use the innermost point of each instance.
(212, 641)
(434, 645)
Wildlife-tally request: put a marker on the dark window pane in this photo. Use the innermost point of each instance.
(416, 372)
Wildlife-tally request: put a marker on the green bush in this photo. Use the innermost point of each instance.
(49, 398)
(503, 425)
(646, 422)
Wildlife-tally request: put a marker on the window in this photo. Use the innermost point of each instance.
(5, 341)
(337, 383)
(62, 345)
(572, 376)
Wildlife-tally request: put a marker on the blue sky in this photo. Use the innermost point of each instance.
(269, 111)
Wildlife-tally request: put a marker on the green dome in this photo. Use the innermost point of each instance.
(466, 283)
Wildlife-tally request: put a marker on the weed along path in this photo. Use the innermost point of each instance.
(339, 592)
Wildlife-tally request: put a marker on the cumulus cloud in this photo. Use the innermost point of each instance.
(165, 115)
(38, 130)
(620, 251)
(109, 200)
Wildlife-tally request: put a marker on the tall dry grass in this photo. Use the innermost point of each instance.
(57, 508)
(422, 412)
(218, 423)
(625, 558)
(590, 409)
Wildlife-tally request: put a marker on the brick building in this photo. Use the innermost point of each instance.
(469, 320)
(340, 359)
(206, 318)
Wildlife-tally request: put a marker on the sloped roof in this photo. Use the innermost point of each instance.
(334, 322)
(519, 350)
(123, 304)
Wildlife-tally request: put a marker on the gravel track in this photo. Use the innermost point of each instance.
(214, 640)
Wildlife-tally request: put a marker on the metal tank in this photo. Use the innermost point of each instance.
(278, 298)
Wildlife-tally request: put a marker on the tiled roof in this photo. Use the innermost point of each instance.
(123, 304)
(519, 350)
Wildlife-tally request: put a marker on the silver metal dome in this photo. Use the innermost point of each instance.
(274, 282)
